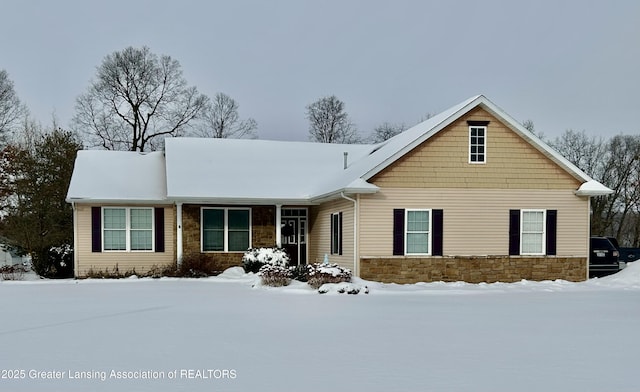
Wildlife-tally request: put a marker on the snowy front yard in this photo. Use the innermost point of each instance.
(222, 334)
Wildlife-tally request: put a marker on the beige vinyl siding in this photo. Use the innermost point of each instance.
(476, 221)
(443, 162)
(85, 259)
(320, 232)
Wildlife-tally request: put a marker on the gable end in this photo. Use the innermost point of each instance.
(442, 161)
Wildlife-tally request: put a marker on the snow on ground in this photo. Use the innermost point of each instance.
(230, 334)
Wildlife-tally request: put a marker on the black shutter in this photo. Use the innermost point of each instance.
(340, 233)
(514, 232)
(159, 228)
(398, 232)
(437, 236)
(331, 234)
(96, 229)
(552, 231)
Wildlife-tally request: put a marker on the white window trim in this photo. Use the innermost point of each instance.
(406, 225)
(544, 232)
(485, 145)
(226, 229)
(338, 228)
(128, 230)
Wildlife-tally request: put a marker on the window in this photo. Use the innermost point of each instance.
(532, 232)
(336, 233)
(226, 229)
(426, 232)
(127, 229)
(477, 144)
(418, 232)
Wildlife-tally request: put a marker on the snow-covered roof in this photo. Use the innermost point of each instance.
(271, 172)
(118, 176)
(242, 171)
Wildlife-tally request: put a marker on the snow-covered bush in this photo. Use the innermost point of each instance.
(60, 263)
(275, 275)
(320, 273)
(255, 258)
(342, 288)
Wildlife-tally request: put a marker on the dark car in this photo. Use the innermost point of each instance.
(629, 255)
(603, 257)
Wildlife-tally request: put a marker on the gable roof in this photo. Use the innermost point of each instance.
(386, 153)
(236, 171)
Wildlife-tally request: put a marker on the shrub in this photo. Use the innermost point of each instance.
(12, 272)
(299, 273)
(61, 261)
(319, 274)
(114, 273)
(158, 271)
(254, 258)
(275, 275)
(343, 288)
(197, 265)
(53, 262)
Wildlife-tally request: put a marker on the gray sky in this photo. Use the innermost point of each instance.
(563, 64)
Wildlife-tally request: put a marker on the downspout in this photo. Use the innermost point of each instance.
(76, 269)
(179, 246)
(355, 232)
(588, 235)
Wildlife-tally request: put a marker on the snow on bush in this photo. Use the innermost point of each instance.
(342, 288)
(319, 274)
(255, 258)
(275, 275)
(60, 263)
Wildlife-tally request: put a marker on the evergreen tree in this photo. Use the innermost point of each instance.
(33, 187)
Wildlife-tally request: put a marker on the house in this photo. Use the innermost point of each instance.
(467, 195)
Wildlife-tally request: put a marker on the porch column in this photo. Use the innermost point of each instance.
(179, 233)
(279, 225)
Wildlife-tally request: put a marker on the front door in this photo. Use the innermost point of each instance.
(294, 234)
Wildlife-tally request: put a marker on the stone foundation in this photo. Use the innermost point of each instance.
(473, 269)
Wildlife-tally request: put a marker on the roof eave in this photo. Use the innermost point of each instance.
(241, 201)
(347, 191)
(88, 200)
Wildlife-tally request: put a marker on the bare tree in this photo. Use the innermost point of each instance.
(616, 164)
(11, 109)
(622, 174)
(221, 120)
(583, 151)
(386, 131)
(137, 99)
(329, 123)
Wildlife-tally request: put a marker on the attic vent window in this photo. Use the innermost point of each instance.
(478, 143)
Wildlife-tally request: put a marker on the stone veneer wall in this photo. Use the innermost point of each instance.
(263, 233)
(473, 269)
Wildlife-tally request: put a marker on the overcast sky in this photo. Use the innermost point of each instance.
(563, 64)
